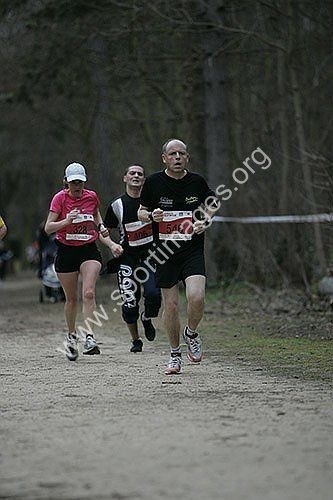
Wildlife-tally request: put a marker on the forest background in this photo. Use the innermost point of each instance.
(105, 83)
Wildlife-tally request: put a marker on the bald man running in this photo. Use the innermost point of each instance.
(171, 198)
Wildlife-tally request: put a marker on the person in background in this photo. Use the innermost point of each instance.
(136, 238)
(3, 228)
(5, 255)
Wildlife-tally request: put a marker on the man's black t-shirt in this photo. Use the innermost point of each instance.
(122, 213)
(179, 198)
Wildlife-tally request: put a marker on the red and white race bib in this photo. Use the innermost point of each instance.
(139, 233)
(176, 225)
(81, 228)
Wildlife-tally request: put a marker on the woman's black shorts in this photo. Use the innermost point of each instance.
(69, 258)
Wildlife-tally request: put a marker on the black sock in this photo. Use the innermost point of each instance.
(190, 333)
(175, 350)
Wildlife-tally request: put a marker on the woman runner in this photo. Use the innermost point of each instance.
(74, 216)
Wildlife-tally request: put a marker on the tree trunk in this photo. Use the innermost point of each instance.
(283, 203)
(102, 136)
(215, 126)
(300, 134)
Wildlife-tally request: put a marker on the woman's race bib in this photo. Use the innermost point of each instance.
(81, 228)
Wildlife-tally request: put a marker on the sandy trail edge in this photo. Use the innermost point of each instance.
(115, 427)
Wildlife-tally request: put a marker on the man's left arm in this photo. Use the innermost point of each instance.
(147, 212)
(111, 221)
(209, 207)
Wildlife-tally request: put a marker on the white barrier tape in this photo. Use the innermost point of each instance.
(276, 218)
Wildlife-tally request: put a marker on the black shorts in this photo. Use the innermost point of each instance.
(69, 258)
(180, 267)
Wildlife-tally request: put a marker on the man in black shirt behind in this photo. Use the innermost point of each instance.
(136, 239)
(172, 198)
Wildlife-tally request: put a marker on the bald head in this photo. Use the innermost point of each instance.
(176, 157)
(174, 143)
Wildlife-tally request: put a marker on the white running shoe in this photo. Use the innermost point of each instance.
(90, 346)
(194, 349)
(71, 347)
(175, 364)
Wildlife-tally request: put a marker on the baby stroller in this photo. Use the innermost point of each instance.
(51, 290)
(5, 257)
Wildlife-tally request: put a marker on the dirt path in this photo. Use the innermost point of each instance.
(115, 427)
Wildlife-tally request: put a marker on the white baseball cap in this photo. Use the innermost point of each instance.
(75, 172)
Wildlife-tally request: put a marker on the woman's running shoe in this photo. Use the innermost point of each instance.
(71, 347)
(90, 346)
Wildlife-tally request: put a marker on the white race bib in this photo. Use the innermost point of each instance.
(176, 225)
(83, 218)
(139, 233)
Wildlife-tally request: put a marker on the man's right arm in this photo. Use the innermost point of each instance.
(145, 216)
(111, 221)
(146, 213)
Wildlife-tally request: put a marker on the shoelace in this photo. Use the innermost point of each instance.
(174, 361)
(71, 341)
(195, 345)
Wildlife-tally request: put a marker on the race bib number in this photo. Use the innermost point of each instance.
(139, 233)
(81, 229)
(176, 225)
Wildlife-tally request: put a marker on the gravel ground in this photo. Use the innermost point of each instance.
(115, 427)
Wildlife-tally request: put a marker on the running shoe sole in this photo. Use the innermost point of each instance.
(173, 371)
(94, 350)
(193, 360)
